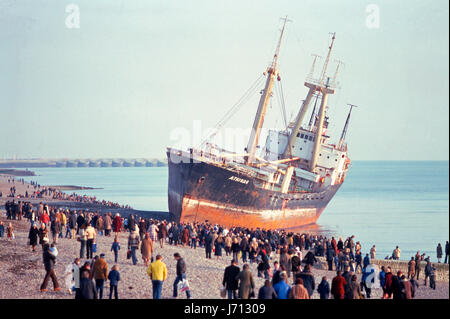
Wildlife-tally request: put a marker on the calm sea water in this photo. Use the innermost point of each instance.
(386, 203)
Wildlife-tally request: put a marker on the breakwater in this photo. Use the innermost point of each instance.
(40, 163)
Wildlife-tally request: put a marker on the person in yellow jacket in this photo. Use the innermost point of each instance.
(157, 271)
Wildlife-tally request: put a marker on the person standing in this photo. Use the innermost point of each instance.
(338, 286)
(33, 236)
(246, 283)
(411, 268)
(373, 252)
(115, 247)
(266, 291)
(308, 279)
(107, 221)
(298, 291)
(208, 244)
(114, 278)
(439, 252)
(181, 275)
(157, 271)
(282, 289)
(87, 288)
(82, 238)
(229, 279)
(90, 236)
(447, 251)
(49, 260)
(407, 288)
(146, 249)
(100, 274)
(330, 257)
(324, 288)
(418, 260)
(427, 271)
(396, 253)
(133, 244)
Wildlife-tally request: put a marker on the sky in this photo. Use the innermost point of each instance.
(135, 74)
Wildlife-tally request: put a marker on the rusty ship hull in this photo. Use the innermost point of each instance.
(200, 191)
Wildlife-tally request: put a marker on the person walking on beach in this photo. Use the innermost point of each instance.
(82, 238)
(447, 251)
(246, 283)
(33, 236)
(87, 287)
(439, 252)
(308, 279)
(282, 289)
(100, 274)
(146, 249)
(324, 288)
(229, 281)
(115, 247)
(406, 288)
(114, 278)
(181, 276)
(133, 244)
(266, 291)
(49, 260)
(157, 271)
(338, 286)
(298, 291)
(117, 224)
(107, 224)
(427, 271)
(208, 245)
(90, 235)
(10, 232)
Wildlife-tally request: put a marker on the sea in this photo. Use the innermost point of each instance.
(381, 203)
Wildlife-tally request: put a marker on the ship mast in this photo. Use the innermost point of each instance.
(272, 71)
(314, 86)
(344, 131)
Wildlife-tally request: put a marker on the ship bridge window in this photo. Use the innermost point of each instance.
(302, 135)
(310, 138)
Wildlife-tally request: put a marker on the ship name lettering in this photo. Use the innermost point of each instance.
(240, 180)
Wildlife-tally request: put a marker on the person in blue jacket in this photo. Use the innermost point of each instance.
(282, 289)
(324, 288)
(114, 278)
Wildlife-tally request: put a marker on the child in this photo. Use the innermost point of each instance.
(10, 232)
(114, 278)
(115, 247)
(2, 229)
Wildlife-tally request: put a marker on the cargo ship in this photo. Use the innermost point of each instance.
(287, 183)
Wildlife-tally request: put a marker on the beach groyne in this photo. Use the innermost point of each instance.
(40, 163)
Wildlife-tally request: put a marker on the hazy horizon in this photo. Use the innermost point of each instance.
(134, 72)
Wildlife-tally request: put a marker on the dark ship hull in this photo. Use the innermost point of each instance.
(202, 191)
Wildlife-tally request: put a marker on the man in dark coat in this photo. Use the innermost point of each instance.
(181, 275)
(229, 279)
(308, 280)
(330, 254)
(447, 251)
(87, 287)
(208, 244)
(49, 265)
(324, 288)
(33, 236)
(309, 259)
(397, 286)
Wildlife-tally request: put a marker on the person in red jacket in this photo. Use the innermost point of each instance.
(388, 284)
(117, 224)
(338, 286)
(45, 219)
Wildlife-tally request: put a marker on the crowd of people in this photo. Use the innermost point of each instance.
(284, 259)
(44, 192)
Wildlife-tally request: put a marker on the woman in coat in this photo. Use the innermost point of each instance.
(246, 283)
(146, 248)
(33, 236)
(218, 245)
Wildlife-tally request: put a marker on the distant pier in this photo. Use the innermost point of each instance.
(39, 163)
